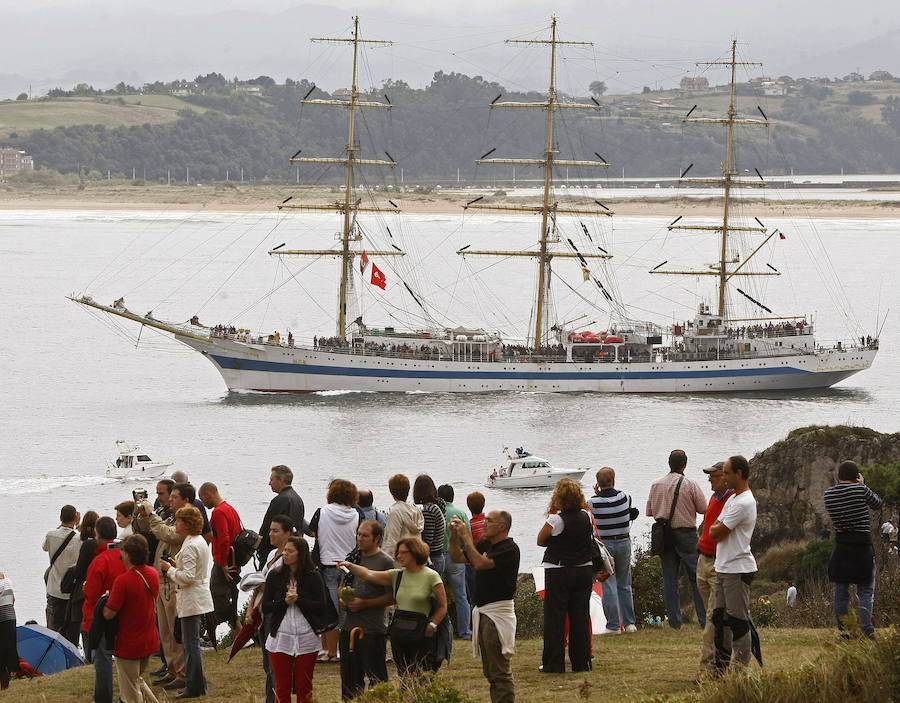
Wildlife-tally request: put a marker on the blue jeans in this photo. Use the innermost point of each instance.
(439, 562)
(195, 681)
(682, 553)
(332, 577)
(865, 594)
(103, 673)
(618, 603)
(455, 575)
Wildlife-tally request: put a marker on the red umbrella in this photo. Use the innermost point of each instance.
(245, 634)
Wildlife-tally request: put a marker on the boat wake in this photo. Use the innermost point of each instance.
(45, 483)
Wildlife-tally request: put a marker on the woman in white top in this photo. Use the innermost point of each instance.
(124, 516)
(293, 592)
(190, 572)
(280, 530)
(334, 528)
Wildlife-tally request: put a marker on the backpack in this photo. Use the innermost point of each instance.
(245, 546)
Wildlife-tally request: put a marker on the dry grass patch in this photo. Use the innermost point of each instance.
(649, 664)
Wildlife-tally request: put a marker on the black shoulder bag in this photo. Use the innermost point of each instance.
(661, 537)
(327, 618)
(56, 555)
(407, 626)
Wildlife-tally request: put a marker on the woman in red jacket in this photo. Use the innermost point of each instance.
(105, 567)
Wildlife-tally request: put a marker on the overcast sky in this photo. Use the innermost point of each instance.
(639, 42)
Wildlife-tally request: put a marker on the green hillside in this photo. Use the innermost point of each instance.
(217, 129)
(21, 117)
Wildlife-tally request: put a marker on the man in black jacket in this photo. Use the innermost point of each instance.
(286, 502)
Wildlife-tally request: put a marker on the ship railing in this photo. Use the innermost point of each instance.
(519, 357)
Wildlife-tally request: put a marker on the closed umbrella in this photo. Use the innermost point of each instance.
(46, 651)
(246, 633)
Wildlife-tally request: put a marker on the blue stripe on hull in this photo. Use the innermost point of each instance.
(228, 362)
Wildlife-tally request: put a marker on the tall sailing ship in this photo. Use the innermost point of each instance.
(716, 351)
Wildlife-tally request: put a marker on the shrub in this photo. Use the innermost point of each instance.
(812, 562)
(777, 564)
(815, 606)
(830, 435)
(424, 690)
(764, 613)
(862, 671)
(647, 585)
(861, 97)
(42, 177)
(529, 609)
(884, 479)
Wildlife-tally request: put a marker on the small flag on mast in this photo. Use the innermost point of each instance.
(586, 273)
(378, 278)
(781, 236)
(363, 261)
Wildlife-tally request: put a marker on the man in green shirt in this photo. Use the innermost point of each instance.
(455, 574)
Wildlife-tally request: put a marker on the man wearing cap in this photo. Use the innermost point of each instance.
(706, 562)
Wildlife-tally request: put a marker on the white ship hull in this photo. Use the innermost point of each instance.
(284, 369)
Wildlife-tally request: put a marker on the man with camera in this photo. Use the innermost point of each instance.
(848, 503)
(496, 560)
(169, 543)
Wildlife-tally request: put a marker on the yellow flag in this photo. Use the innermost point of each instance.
(586, 273)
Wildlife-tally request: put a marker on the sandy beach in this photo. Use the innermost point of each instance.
(260, 198)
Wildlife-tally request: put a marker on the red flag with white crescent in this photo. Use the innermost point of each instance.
(363, 261)
(378, 278)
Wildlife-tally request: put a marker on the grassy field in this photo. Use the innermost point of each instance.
(21, 117)
(627, 669)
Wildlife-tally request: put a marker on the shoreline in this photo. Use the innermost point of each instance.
(256, 199)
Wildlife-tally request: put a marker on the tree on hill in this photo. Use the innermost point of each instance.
(263, 81)
(884, 479)
(597, 88)
(861, 97)
(890, 113)
(22, 96)
(211, 82)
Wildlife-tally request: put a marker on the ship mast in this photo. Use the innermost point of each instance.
(548, 209)
(351, 204)
(728, 181)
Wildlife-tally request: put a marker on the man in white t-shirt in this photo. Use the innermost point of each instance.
(735, 568)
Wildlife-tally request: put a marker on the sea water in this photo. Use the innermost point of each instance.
(74, 382)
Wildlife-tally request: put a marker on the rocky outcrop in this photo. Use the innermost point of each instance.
(790, 477)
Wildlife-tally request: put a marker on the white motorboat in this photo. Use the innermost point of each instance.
(133, 463)
(525, 470)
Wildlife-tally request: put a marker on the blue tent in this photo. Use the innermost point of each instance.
(45, 650)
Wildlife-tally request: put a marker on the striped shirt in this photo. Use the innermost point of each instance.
(847, 505)
(7, 610)
(610, 509)
(434, 529)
